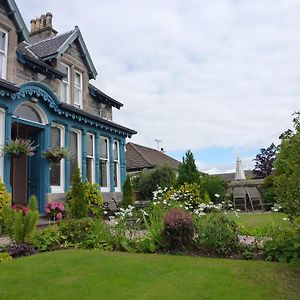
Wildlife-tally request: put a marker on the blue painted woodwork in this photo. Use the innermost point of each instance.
(111, 165)
(56, 112)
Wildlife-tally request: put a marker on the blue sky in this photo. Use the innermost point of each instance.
(219, 77)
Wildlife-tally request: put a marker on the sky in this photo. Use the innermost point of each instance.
(218, 77)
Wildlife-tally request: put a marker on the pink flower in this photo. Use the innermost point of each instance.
(59, 216)
(25, 210)
(47, 210)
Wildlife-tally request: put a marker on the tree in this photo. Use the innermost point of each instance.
(76, 196)
(264, 162)
(187, 171)
(148, 181)
(127, 193)
(287, 170)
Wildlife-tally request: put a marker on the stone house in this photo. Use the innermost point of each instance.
(46, 97)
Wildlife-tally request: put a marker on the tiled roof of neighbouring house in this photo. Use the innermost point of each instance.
(140, 157)
(49, 46)
(231, 176)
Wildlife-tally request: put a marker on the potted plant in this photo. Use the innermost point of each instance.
(18, 147)
(55, 154)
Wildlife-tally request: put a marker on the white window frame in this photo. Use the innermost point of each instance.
(117, 187)
(79, 144)
(4, 67)
(92, 157)
(2, 141)
(60, 188)
(105, 188)
(76, 87)
(66, 82)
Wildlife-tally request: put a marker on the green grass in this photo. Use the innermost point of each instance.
(258, 223)
(92, 274)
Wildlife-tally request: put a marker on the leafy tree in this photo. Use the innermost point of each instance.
(147, 181)
(187, 171)
(287, 170)
(264, 162)
(76, 196)
(127, 193)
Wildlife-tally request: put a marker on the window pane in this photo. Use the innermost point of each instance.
(74, 154)
(77, 96)
(2, 60)
(89, 169)
(89, 145)
(2, 40)
(64, 92)
(77, 80)
(103, 148)
(103, 173)
(55, 173)
(55, 137)
(116, 172)
(116, 154)
(27, 112)
(65, 70)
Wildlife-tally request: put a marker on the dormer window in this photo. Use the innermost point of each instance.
(65, 85)
(78, 89)
(3, 53)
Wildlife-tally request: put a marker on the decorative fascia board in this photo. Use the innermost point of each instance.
(42, 92)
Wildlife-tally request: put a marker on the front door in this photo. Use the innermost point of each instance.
(26, 176)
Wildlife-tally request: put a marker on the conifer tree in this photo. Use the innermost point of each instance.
(187, 171)
(127, 193)
(76, 196)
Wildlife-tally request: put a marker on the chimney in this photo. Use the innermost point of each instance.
(41, 28)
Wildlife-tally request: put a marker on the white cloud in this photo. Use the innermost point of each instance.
(193, 73)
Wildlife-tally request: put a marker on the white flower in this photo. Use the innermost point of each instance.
(105, 212)
(217, 195)
(285, 219)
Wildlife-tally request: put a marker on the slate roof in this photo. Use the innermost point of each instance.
(49, 46)
(231, 176)
(139, 157)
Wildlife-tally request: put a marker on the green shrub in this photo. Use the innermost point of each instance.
(5, 257)
(145, 244)
(189, 194)
(100, 237)
(217, 234)
(5, 200)
(147, 181)
(76, 197)
(178, 229)
(127, 193)
(46, 239)
(284, 244)
(20, 222)
(215, 187)
(75, 231)
(94, 199)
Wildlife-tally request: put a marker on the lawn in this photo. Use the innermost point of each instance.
(92, 274)
(258, 223)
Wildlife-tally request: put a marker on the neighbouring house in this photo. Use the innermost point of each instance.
(139, 158)
(46, 97)
(228, 177)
